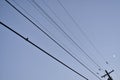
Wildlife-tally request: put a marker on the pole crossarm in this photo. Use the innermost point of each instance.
(108, 74)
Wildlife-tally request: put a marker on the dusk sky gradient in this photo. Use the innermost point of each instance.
(98, 19)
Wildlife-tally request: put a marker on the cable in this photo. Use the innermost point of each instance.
(39, 23)
(54, 13)
(26, 39)
(65, 33)
(72, 41)
(82, 31)
(52, 39)
(60, 20)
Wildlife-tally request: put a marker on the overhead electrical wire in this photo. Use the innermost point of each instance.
(60, 20)
(44, 27)
(92, 44)
(51, 38)
(69, 38)
(26, 39)
(82, 32)
(39, 7)
(39, 24)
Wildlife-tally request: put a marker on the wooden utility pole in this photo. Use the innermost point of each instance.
(108, 74)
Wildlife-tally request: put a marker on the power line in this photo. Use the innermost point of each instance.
(82, 32)
(54, 13)
(52, 39)
(39, 7)
(59, 19)
(26, 39)
(39, 23)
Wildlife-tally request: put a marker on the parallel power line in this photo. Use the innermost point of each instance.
(26, 39)
(39, 23)
(82, 32)
(52, 39)
(77, 25)
(58, 26)
(60, 21)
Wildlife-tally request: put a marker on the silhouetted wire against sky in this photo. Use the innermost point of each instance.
(54, 40)
(83, 32)
(77, 25)
(64, 33)
(43, 50)
(81, 35)
(70, 31)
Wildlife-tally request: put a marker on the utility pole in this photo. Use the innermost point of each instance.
(108, 74)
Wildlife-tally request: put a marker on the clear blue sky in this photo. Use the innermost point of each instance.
(99, 20)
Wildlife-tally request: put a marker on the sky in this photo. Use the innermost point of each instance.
(96, 32)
